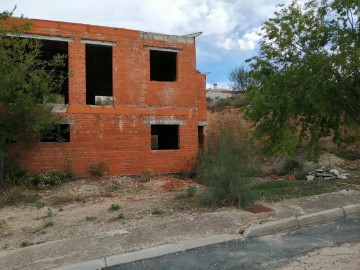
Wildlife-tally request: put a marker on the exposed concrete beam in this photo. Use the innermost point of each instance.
(98, 42)
(164, 122)
(167, 38)
(193, 35)
(163, 49)
(53, 38)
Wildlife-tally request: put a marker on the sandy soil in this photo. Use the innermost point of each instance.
(343, 257)
(82, 207)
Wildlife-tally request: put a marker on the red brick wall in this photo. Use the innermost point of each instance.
(119, 134)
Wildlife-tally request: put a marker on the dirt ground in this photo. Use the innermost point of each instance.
(89, 206)
(343, 257)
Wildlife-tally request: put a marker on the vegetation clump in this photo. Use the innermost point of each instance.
(306, 75)
(227, 169)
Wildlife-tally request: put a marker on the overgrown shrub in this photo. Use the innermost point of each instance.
(52, 178)
(17, 176)
(290, 166)
(98, 169)
(227, 168)
(190, 191)
(14, 175)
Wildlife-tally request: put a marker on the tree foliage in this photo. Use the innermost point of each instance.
(307, 74)
(26, 81)
(240, 79)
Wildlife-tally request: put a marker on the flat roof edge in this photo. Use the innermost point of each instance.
(167, 38)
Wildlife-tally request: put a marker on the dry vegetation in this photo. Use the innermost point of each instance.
(92, 205)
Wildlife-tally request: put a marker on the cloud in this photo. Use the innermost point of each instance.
(248, 41)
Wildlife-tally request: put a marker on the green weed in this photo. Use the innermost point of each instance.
(26, 244)
(114, 207)
(190, 191)
(157, 211)
(48, 224)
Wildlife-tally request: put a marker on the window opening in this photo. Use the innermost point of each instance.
(49, 49)
(99, 85)
(201, 137)
(163, 66)
(164, 137)
(60, 133)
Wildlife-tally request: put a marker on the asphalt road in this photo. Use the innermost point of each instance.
(268, 252)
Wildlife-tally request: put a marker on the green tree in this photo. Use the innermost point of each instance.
(240, 79)
(25, 82)
(307, 74)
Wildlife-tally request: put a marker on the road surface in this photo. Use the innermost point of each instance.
(268, 252)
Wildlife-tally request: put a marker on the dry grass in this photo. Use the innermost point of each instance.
(18, 195)
(63, 199)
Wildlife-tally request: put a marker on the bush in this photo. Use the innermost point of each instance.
(227, 169)
(98, 169)
(114, 207)
(17, 176)
(190, 191)
(52, 178)
(14, 175)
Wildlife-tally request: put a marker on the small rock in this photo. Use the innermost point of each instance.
(310, 177)
(335, 171)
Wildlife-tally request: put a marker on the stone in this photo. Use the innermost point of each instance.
(335, 171)
(310, 177)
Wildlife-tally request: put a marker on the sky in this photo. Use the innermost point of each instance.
(229, 27)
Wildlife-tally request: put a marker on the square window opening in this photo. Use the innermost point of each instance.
(60, 133)
(164, 137)
(163, 66)
(99, 78)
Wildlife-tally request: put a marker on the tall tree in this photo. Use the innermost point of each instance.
(240, 79)
(307, 74)
(25, 82)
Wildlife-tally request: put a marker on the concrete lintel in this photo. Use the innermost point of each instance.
(164, 49)
(164, 122)
(53, 38)
(98, 42)
(202, 124)
(167, 38)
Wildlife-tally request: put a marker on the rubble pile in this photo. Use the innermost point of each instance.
(326, 174)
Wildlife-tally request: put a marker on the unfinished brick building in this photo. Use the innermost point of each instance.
(134, 99)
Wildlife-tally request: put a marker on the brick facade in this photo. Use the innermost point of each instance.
(121, 133)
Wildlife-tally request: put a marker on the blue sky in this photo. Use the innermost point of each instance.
(229, 27)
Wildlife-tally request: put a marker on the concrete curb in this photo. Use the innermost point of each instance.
(295, 223)
(152, 252)
(273, 227)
